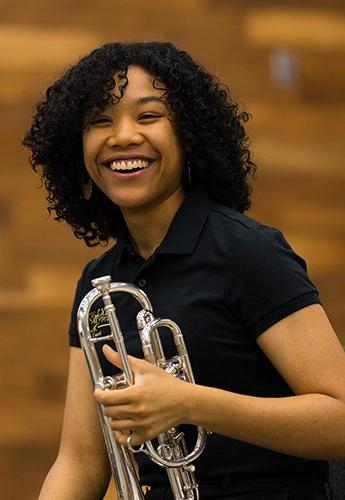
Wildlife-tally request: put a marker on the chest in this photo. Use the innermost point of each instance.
(195, 296)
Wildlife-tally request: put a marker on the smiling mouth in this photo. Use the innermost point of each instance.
(128, 166)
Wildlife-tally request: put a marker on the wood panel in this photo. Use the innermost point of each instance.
(296, 27)
(297, 135)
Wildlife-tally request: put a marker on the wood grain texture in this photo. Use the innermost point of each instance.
(297, 135)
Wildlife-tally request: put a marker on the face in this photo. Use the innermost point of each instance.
(132, 151)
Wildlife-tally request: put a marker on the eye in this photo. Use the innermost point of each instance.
(99, 120)
(149, 116)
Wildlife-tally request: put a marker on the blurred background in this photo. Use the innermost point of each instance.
(282, 60)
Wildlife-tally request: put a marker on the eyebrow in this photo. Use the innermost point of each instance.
(150, 98)
(140, 100)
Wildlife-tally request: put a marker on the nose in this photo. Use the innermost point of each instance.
(124, 133)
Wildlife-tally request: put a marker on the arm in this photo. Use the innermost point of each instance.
(307, 353)
(311, 424)
(81, 470)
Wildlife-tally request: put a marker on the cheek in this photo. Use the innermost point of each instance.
(177, 152)
(88, 150)
(173, 149)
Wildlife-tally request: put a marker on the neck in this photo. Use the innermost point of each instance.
(148, 227)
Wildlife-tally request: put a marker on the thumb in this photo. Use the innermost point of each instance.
(114, 358)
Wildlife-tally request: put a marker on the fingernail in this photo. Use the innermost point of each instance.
(107, 347)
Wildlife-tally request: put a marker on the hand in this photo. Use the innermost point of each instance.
(154, 403)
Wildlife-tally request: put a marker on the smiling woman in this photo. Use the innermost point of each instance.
(132, 152)
(139, 143)
(208, 124)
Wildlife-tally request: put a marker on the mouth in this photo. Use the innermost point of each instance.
(128, 166)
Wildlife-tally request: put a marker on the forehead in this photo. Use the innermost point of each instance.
(137, 83)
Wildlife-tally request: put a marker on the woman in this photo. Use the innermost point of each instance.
(137, 142)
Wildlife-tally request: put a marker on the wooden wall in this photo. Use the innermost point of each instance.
(284, 61)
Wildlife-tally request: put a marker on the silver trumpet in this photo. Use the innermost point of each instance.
(171, 451)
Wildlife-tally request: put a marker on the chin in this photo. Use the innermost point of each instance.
(130, 205)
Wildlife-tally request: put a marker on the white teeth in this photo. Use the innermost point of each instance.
(128, 164)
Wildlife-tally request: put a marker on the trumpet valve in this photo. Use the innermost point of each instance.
(111, 383)
(174, 367)
(106, 383)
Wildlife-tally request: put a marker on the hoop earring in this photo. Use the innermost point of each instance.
(87, 189)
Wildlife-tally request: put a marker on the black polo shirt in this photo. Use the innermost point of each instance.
(224, 279)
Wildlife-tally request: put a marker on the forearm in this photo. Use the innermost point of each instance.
(71, 480)
(310, 425)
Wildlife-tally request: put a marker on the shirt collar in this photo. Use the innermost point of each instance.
(187, 224)
(124, 243)
(183, 232)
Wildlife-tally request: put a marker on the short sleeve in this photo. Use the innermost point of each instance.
(271, 280)
(83, 286)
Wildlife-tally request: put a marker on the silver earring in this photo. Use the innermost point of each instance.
(87, 189)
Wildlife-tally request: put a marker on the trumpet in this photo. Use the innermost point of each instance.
(171, 452)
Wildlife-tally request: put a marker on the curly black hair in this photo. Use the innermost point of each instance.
(208, 120)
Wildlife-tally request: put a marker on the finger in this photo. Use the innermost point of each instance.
(137, 438)
(123, 425)
(118, 411)
(98, 394)
(113, 398)
(122, 436)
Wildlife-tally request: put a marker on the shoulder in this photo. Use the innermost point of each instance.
(243, 232)
(242, 223)
(248, 243)
(267, 279)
